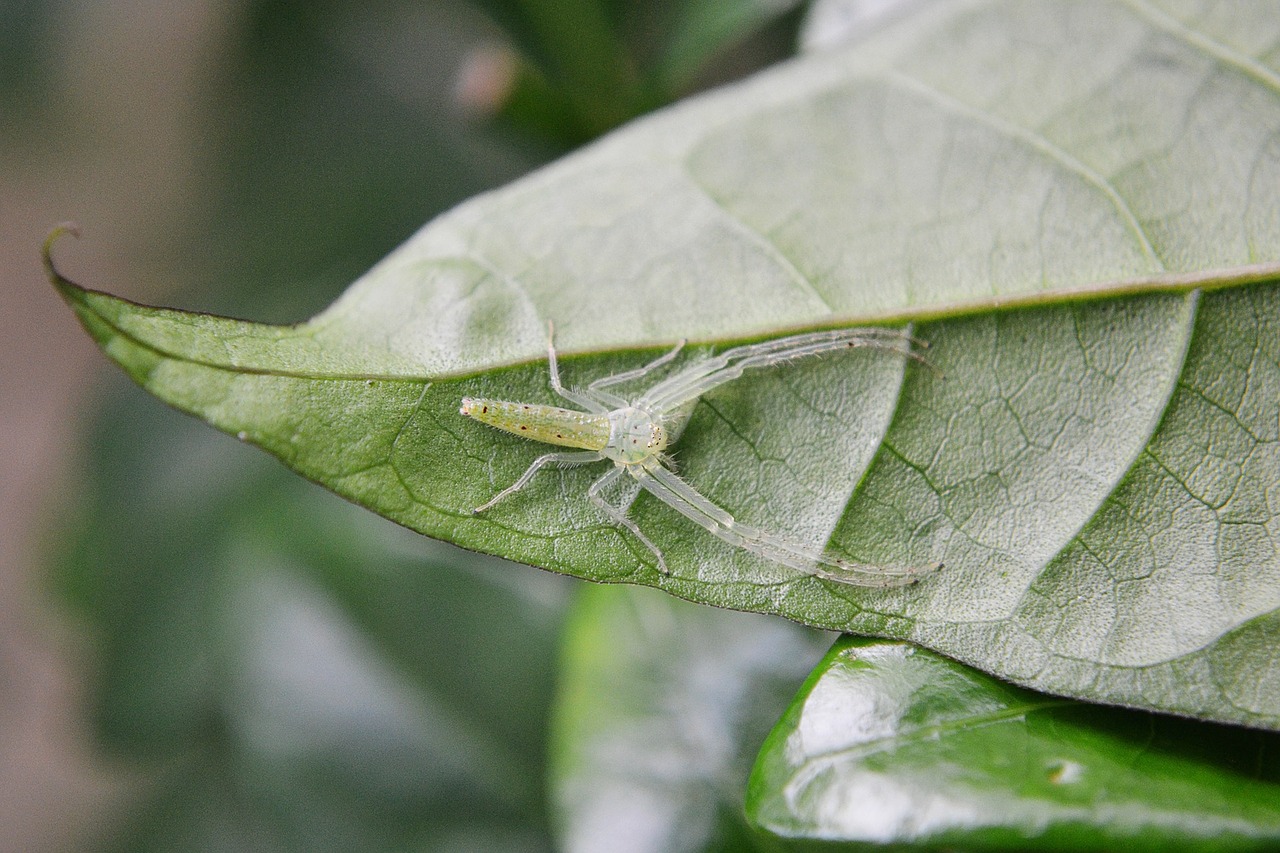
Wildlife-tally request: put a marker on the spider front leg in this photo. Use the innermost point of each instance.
(596, 403)
(564, 460)
(699, 378)
(637, 373)
(620, 517)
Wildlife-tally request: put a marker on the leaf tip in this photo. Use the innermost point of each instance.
(61, 282)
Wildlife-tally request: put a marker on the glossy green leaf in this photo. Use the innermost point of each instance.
(1077, 206)
(891, 744)
(661, 708)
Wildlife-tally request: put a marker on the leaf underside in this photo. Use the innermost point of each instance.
(1075, 205)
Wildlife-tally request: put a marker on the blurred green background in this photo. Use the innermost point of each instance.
(199, 650)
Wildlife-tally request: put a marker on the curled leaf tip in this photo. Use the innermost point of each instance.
(51, 268)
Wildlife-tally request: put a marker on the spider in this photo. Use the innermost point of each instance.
(634, 434)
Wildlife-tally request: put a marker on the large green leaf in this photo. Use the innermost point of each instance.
(1076, 204)
(661, 708)
(889, 744)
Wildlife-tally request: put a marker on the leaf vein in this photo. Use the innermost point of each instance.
(1225, 55)
(1041, 145)
(771, 249)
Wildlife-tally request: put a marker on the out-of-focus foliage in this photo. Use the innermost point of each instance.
(586, 66)
(662, 708)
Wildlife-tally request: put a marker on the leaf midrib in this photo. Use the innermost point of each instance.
(936, 731)
(1172, 283)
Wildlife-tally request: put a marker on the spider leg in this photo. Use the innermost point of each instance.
(564, 460)
(698, 379)
(604, 398)
(785, 346)
(620, 517)
(667, 487)
(588, 401)
(628, 375)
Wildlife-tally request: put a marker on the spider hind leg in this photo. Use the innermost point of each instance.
(620, 517)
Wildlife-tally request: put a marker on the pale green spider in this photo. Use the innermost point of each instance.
(634, 434)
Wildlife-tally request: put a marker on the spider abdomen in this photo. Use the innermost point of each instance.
(549, 424)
